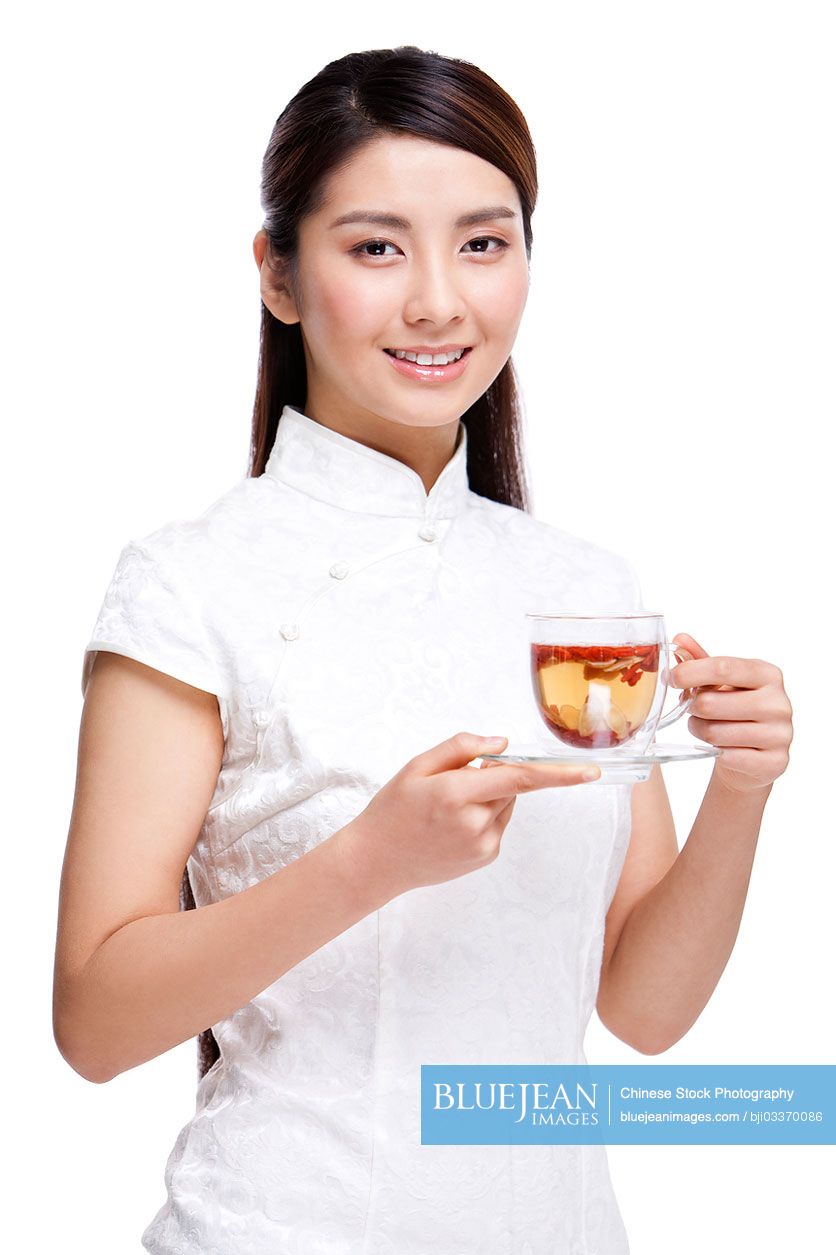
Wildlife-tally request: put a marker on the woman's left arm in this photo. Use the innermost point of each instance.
(674, 943)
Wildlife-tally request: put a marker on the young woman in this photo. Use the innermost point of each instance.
(289, 696)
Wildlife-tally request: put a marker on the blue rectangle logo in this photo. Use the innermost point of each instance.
(621, 1104)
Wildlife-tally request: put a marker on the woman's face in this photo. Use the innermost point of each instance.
(426, 283)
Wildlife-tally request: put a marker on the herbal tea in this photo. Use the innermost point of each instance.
(594, 696)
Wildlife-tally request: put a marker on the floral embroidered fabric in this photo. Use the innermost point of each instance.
(347, 620)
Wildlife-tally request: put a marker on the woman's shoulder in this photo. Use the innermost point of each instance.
(219, 536)
(176, 597)
(524, 533)
(544, 559)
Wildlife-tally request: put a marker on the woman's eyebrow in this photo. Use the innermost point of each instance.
(489, 214)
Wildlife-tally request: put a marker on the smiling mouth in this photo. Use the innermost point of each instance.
(395, 353)
(428, 374)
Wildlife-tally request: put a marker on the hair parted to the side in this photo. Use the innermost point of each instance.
(351, 101)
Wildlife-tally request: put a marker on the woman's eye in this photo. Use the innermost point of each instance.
(359, 249)
(490, 239)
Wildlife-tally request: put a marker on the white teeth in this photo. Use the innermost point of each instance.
(429, 359)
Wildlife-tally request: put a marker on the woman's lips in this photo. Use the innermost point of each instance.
(429, 374)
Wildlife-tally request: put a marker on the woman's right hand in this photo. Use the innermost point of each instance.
(439, 818)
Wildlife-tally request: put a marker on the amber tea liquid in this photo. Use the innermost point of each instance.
(594, 696)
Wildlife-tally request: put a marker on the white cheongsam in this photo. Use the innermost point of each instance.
(347, 621)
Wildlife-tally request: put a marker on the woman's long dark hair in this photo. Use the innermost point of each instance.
(361, 97)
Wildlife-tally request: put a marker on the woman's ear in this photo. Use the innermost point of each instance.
(275, 286)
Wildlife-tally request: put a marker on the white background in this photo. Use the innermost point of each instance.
(676, 359)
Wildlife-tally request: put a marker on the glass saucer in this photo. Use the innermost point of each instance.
(617, 766)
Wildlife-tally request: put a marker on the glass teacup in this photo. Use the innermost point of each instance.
(600, 681)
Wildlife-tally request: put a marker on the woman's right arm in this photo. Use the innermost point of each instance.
(135, 975)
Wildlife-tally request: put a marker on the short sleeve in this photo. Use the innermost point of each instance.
(151, 614)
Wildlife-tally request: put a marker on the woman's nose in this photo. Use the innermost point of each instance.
(434, 293)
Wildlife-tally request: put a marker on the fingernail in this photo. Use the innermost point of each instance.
(591, 773)
(495, 740)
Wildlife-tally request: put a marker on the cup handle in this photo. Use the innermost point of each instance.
(686, 697)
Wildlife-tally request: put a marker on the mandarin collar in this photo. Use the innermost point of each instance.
(332, 467)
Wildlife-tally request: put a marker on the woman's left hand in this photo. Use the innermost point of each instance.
(741, 703)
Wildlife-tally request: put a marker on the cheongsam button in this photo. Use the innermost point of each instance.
(427, 532)
(261, 718)
(339, 570)
(289, 631)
